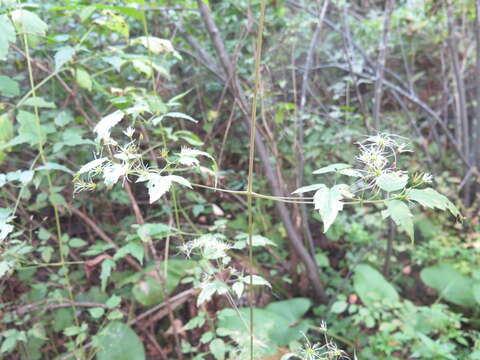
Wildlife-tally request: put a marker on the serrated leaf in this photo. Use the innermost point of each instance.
(28, 22)
(401, 216)
(432, 199)
(391, 182)
(92, 165)
(256, 280)
(327, 202)
(158, 185)
(105, 125)
(63, 56)
(8, 35)
(29, 131)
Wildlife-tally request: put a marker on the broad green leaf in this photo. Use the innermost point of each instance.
(39, 102)
(28, 22)
(476, 291)
(62, 56)
(218, 349)
(256, 280)
(83, 79)
(391, 182)
(401, 215)
(29, 130)
(327, 202)
(8, 35)
(158, 185)
(8, 86)
(118, 341)
(432, 199)
(341, 168)
(450, 284)
(372, 287)
(6, 133)
(279, 323)
(150, 290)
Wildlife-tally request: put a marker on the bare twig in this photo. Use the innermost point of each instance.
(381, 65)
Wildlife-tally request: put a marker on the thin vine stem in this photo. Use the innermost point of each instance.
(49, 181)
(251, 155)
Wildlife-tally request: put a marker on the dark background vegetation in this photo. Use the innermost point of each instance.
(332, 72)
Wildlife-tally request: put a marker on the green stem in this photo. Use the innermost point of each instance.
(251, 156)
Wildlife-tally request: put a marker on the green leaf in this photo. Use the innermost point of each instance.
(28, 22)
(341, 168)
(55, 166)
(96, 312)
(432, 199)
(39, 102)
(62, 56)
(29, 130)
(308, 188)
(391, 182)
(476, 291)
(327, 202)
(401, 215)
(118, 341)
(218, 349)
(150, 290)
(339, 307)
(8, 86)
(372, 287)
(8, 35)
(107, 266)
(180, 116)
(450, 284)
(83, 79)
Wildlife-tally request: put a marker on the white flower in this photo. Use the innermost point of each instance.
(427, 178)
(129, 132)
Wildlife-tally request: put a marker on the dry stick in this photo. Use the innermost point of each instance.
(476, 131)
(293, 236)
(347, 44)
(300, 124)
(103, 235)
(414, 99)
(161, 276)
(381, 65)
(462, 127)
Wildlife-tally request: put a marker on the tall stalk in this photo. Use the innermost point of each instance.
(251, 155)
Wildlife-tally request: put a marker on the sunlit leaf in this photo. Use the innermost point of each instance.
(401, 215)
(391, 182)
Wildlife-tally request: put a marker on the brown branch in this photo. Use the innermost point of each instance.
(381, 65)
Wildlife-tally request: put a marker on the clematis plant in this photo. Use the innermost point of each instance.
(377, 180)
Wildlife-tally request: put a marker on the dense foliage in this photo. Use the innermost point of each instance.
(235, 179)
